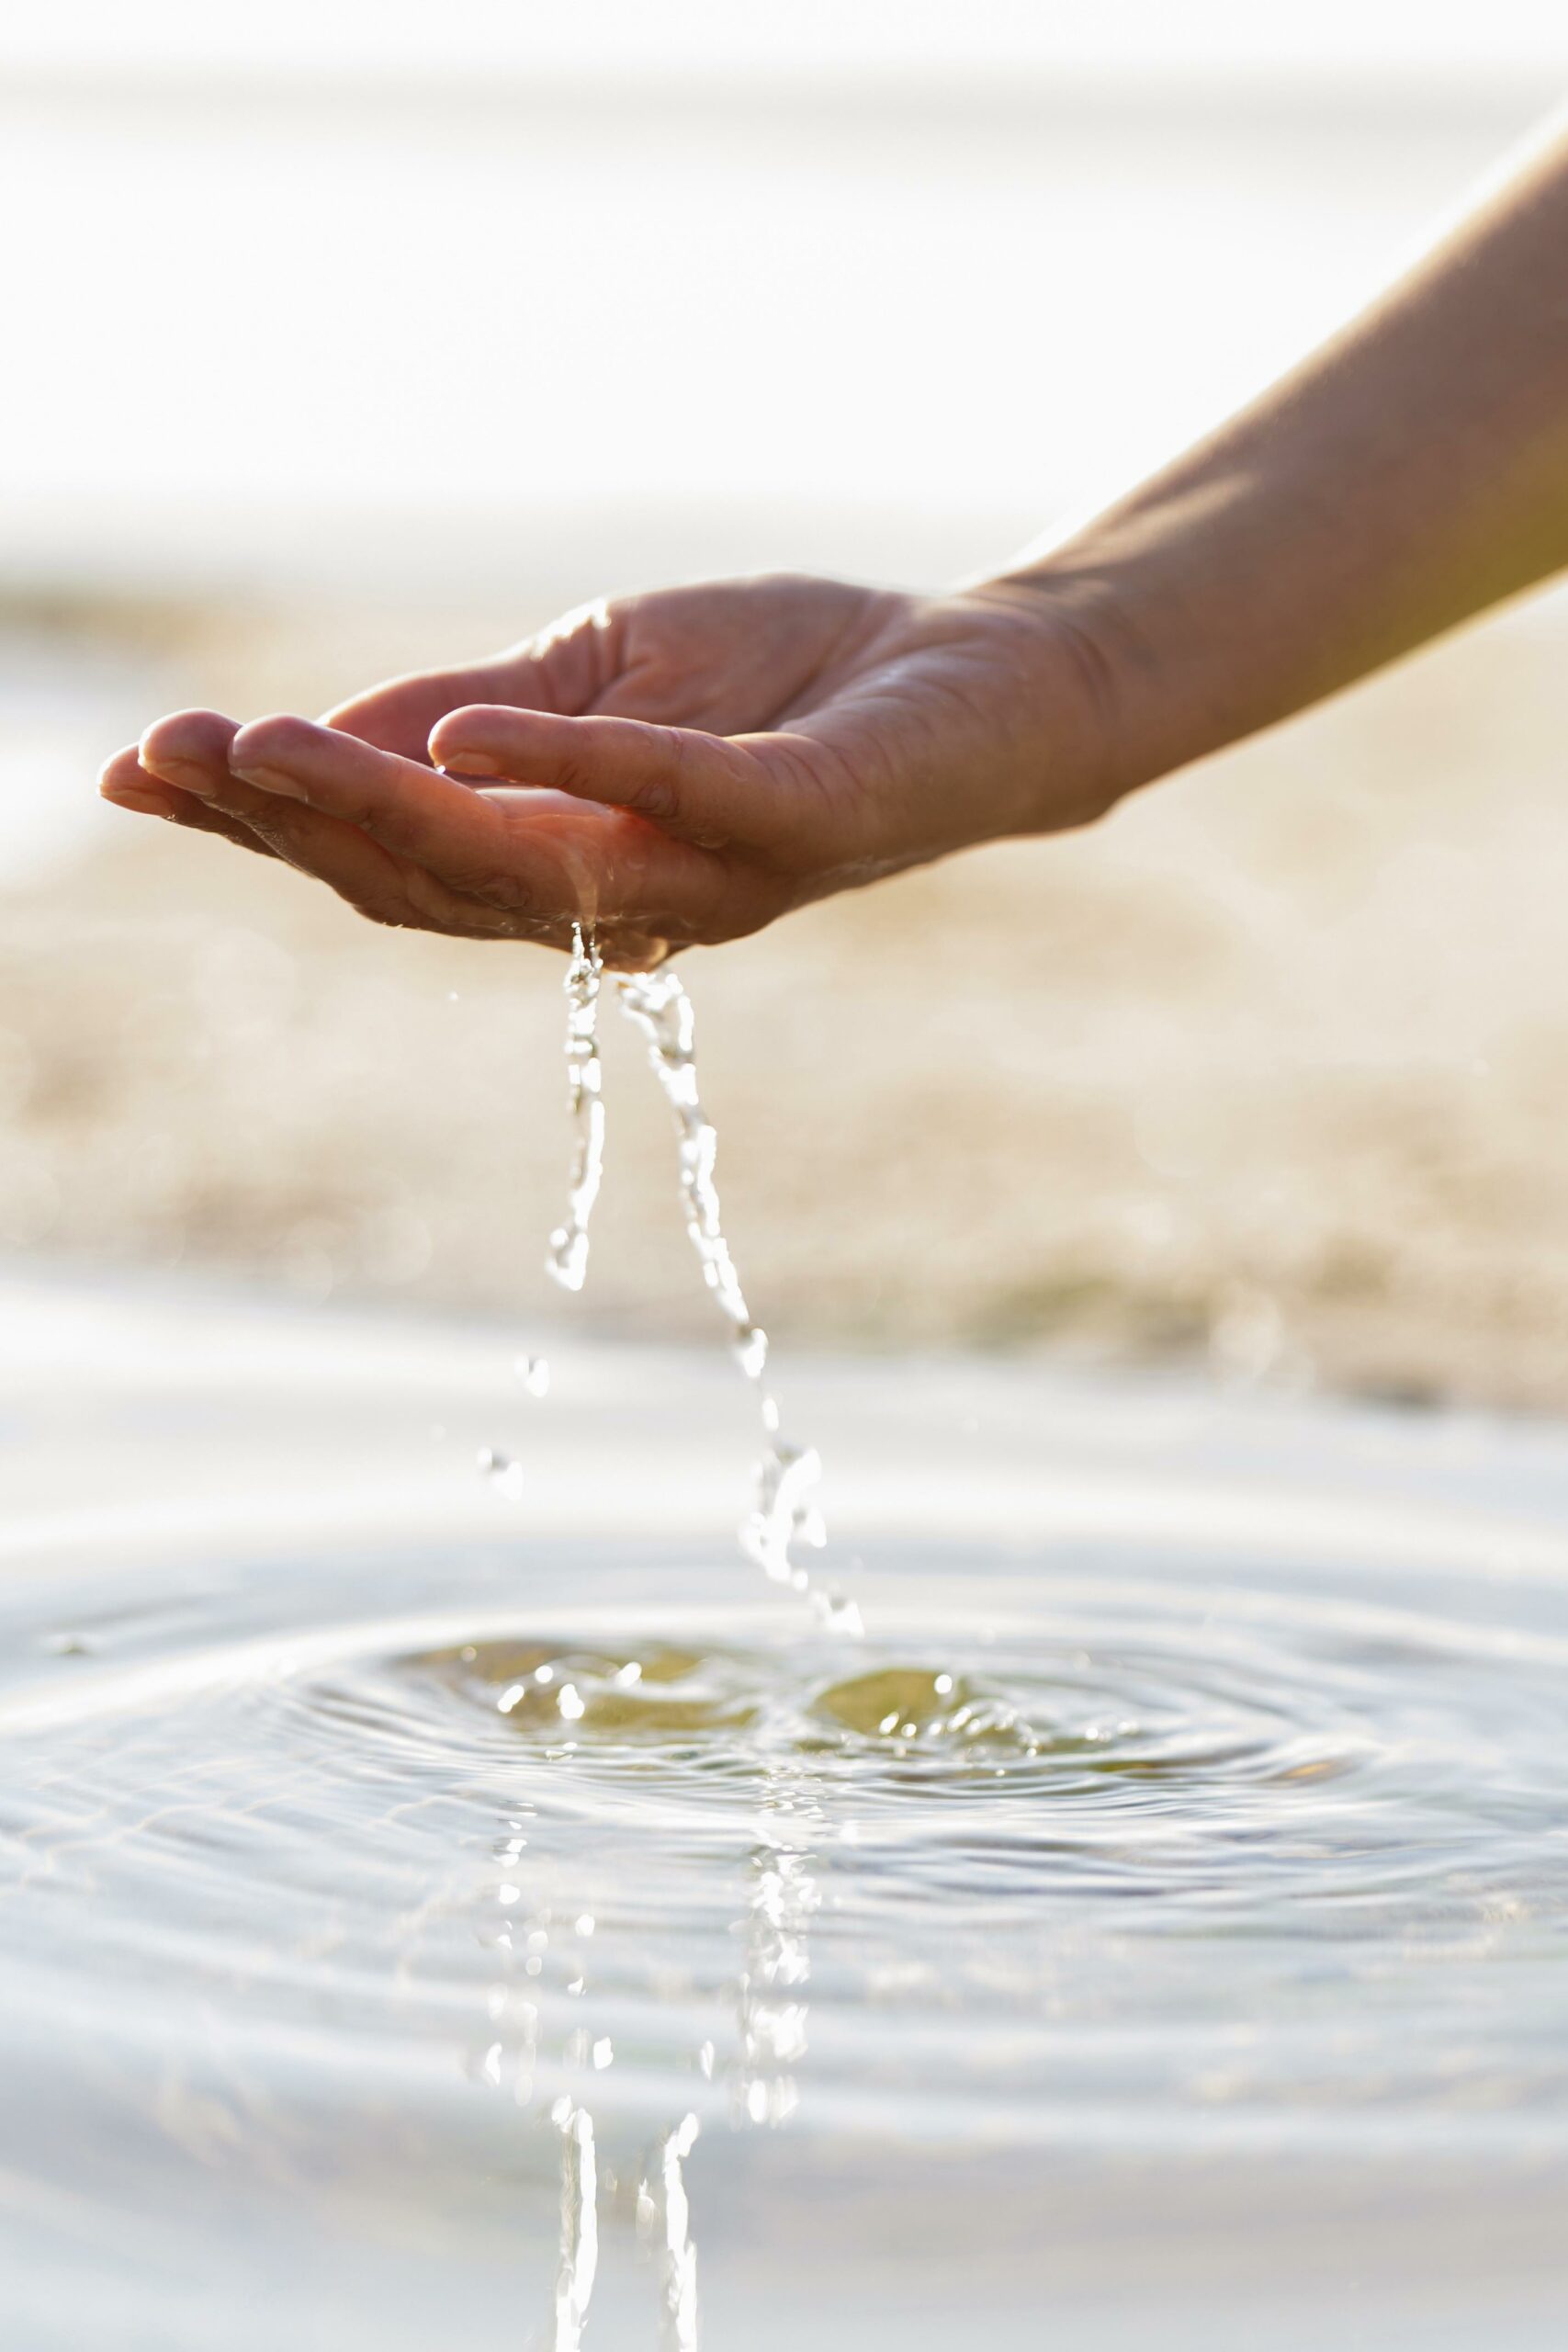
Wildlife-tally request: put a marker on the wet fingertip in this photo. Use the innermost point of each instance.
(457, 759)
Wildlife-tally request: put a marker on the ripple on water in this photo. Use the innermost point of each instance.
(1205, 1860)
(1061, 1710)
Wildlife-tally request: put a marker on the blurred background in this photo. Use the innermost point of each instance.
(348, 337)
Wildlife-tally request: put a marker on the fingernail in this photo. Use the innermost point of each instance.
(188, 774)
(184, 775)
(146, 802)
(288, 788)
(468, 763)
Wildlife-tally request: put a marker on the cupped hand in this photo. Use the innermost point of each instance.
(668, 768)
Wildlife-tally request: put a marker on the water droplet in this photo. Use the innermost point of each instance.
(505, 1475)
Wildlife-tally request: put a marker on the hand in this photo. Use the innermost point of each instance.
(669, 768)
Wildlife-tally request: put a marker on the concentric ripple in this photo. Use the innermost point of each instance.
(410, 1883)
(902, 1719)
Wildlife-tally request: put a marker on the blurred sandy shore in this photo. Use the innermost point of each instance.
(1271, 1066)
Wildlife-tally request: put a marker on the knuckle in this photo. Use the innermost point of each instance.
(357, 809)
(657, 799)
(576, 776)
(657, 794)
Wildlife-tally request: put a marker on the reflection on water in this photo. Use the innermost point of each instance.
(579, 2223)
(480, 1934)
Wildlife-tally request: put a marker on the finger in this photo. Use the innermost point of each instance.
(188, 751)
(566, 667)
(704, 789)
(195, 745)
(537, 857)
(425, 903)
(128, 784)
(398, 716)
(406, 808)
(189, 748)
(357, 869)
(196, 816)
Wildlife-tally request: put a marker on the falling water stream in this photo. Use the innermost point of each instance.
(784, 1513)
(568, 1260)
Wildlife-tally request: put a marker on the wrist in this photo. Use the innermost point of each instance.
(1147, 622)
(1070, 738)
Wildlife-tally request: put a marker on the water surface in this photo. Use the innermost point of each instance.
(433, 1913)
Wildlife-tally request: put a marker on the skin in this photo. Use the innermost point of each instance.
(683, 767)
(673, 768)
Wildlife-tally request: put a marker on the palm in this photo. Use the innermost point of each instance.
(674, 767)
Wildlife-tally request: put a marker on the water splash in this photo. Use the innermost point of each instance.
(784, 1511)
(568, 1260)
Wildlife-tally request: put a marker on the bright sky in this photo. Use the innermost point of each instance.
(681, 36)
(458, 319)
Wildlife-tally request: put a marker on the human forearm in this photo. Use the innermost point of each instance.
(1409, 474)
